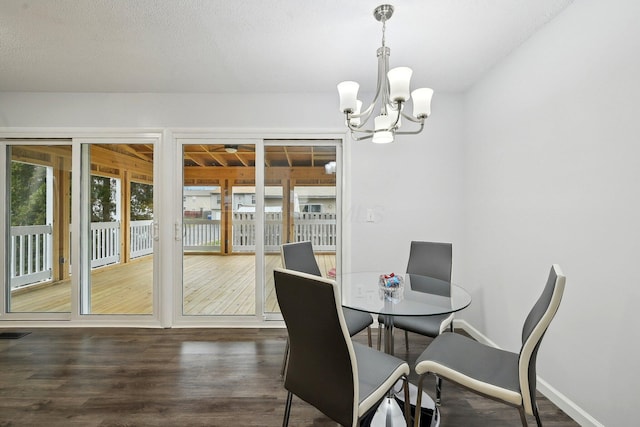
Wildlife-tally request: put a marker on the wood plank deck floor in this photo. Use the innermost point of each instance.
(213, 285)
(99, 377)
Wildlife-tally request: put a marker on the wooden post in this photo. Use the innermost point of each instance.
(226, 202)
(125, 215)
(287, 210)
(61, 218)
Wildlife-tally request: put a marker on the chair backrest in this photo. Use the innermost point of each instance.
(533, 330)
(431, 259)
(322, 366)
(299, 256)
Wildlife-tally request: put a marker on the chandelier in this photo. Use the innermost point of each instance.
(392, 93)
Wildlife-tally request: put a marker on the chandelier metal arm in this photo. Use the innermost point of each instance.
(413, 119)
(381, 88)
(414, 132)
(361, 138)
(364, 114)
(354, 128)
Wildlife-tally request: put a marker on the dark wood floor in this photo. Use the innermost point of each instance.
(183, 377)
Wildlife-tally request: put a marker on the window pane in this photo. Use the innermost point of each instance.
(218, 234)
(120, 233)
(38, 251)
(300, 205)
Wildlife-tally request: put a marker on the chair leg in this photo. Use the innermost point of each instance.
(285, 359)
(416, 417)
(523, 417)
(438, 390)
(379, 335)
(407, 403)
(406, 341)
(287, 410)
(369, 335)
(536, 413)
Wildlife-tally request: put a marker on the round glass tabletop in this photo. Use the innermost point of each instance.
(416, 295)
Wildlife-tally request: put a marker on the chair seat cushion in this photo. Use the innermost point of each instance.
(356, 320)
(377, 373)
(429, 326)
(486, 369)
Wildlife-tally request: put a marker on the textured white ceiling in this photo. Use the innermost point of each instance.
(254, 45)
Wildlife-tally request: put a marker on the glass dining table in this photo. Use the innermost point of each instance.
(417, 296)
(406, 295)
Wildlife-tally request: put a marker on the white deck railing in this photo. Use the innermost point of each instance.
(201, 235)
(244, 232)
(32, 249)
(319, 228)
(105, 243)
(32, 246)
(141, 238)
(30, 259)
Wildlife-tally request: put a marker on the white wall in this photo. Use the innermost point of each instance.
(276, 111)
(414, 188)
(553, 172)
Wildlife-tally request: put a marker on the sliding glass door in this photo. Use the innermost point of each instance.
(240, 202)
(79, 243)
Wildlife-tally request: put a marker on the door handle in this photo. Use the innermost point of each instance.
(177, 231)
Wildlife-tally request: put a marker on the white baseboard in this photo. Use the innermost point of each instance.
(569, 407)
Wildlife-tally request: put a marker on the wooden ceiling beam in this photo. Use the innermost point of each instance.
(215, 157)
(242, 172)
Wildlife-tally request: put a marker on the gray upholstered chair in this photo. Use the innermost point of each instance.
(498, 374)
(299, 256)
(431, 259)
(342, 379)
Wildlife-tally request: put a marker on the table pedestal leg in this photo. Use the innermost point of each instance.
(388, 414)
(388, 335)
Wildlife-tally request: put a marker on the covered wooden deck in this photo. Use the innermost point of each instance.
(213, 285)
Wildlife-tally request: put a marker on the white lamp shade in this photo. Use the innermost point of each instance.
(393, 116)
(422, 102)
(399, 83)
(348, 92)
(356, 121)
(382, 122)
(381, 134)
(382, 137)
